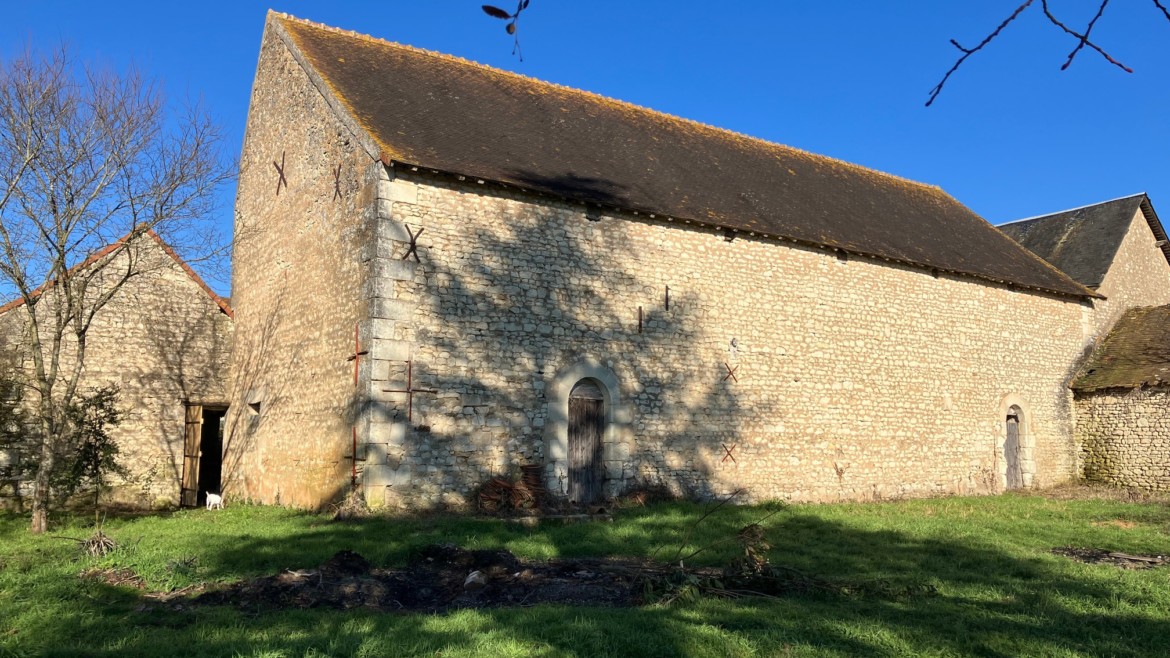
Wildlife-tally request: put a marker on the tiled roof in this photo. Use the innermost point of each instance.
(450, 115)
(221, 302)
(1135, 353)
(1083, 241)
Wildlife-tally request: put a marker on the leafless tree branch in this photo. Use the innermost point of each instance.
(1083, 40)
(967, 52)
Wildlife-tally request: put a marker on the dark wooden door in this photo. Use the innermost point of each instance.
(191, 440)
(586, 425)
(1011, 453)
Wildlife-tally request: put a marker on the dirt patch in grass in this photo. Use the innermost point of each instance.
(445, 577)
(1116, 523)
(115, 577)
(1090, 491)
(441, 578)
(1122, 560)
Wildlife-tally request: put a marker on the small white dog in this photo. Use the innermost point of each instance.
(214, 501)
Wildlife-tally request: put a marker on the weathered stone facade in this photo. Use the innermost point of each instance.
(1126, 437)
(1139, 276)
(165, 341)
(838, 391)
(299, 273)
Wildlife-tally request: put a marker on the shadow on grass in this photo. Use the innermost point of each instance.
(989, 602)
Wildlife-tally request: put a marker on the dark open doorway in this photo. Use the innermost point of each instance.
(202, 453)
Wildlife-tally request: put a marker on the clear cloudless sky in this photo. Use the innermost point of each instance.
(1011, 135)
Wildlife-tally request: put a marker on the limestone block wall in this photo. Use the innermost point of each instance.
(1139, 276)
(1126, 437)
(299, 271)
(163, 340)
(824, 376)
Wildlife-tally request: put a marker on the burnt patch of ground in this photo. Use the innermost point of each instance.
(1122, 560)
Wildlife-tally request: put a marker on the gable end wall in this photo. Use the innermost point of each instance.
(1138, 276)
(163, 341)
(299, 274)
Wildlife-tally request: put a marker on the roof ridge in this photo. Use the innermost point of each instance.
(1067, 210)
(594, 96)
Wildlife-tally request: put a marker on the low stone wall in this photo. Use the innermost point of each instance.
(1125, 437)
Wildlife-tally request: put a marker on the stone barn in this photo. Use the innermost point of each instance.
(445, 271)
(165, 341)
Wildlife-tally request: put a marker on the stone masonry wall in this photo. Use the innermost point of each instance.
(853, 379)
(1126, 437)
(1139, 276)
(299, 270)
(163, 341)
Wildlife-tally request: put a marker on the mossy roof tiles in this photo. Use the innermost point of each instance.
(1136, 353)
(1082, 242)
(446, 114)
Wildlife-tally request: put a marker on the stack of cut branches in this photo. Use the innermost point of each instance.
(499, 495)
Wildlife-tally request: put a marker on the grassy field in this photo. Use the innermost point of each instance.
(1000, 592)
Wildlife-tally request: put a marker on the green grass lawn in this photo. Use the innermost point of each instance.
(1000, 591)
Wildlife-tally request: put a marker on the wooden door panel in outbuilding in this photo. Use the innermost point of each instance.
(192, 432)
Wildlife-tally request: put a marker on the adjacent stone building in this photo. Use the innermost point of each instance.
(1123, 403)
(1116, 248)
(1119, 249)
(445, 271)
(165, 341)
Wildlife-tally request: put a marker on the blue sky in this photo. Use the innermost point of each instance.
(1011, 136)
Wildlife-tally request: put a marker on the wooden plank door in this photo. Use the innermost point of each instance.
(192, 432)
(1011, 453)
(586, 425)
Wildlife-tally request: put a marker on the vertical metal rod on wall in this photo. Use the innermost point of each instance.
(357, 357)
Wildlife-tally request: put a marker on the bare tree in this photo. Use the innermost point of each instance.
(90, 161)
(1083, 39)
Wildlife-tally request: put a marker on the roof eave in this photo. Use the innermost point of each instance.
(389, 161)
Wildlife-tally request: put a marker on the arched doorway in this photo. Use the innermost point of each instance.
(1012, 453)
(586, 429)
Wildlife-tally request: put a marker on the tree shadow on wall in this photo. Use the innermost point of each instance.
(186, 360)
(189, 361)
(514, 297)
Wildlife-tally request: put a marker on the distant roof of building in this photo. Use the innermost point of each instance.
(1136, 353)
(1082, 242)
(450, 115)
(221, 302)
